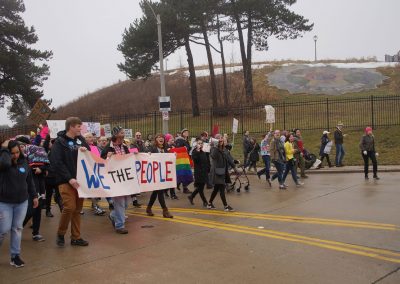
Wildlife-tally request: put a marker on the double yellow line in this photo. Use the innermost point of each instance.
(294, 219)
(380, 254)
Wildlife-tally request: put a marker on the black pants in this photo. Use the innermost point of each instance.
(221, 189)
(199, 189)
(171, 191)
(160, 195)
(49, 194)
(370, 155)
(327, 159)
(35, 214)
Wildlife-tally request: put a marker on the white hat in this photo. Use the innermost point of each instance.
(325, 132)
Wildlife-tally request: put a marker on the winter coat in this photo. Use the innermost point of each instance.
(367, 143)
(16, 183)
(246, 144)
(218, 160)
(64, 156)
(110, 148)
(324, 141)
(338, 134)
(254, 153)
(201, 166)
(277, 150)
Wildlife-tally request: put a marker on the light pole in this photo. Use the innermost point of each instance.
(315, 42)
(160, 53)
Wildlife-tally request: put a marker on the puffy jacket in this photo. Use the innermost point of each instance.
(16, 183)
(64, 156)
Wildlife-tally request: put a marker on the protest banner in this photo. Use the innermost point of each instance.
(55, 126)
(124, 174)
(92, 127)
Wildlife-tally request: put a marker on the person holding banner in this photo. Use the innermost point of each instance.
(219, 173)
(64, 157)
(117, 147)
(158, 147)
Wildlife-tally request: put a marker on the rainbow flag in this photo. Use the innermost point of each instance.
(183, 170)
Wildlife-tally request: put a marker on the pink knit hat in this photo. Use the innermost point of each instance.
(167, 137)
(368, 129)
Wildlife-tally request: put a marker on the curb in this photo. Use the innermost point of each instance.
(341, 171)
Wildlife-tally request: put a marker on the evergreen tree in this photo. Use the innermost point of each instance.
(22, 70)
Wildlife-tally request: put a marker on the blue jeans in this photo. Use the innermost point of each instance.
(339, 154)
(280, 167)
(290, 166)
(118, 214)
(12, 216)
(266, 170)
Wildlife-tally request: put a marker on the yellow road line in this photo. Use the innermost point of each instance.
(332, 245)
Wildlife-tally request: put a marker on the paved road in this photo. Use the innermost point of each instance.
(338, 228)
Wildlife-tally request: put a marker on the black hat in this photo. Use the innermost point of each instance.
(23, 139)
(116, 130)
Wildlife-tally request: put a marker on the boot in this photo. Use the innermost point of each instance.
(166, 213)
(149, 212)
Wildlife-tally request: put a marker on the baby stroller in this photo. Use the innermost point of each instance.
(239, 179)
(310, 160)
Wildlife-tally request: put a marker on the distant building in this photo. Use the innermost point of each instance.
(394, 58)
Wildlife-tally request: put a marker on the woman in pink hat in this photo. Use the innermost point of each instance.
(367, 147)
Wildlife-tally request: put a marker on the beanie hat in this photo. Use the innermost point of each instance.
(23, 139)
(116, 129)
(183, 130)
(167, 137)
(368, 129)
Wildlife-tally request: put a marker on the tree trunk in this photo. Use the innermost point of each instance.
(242, 50)
(226, 96)
(211, 67)
(249, 85)
(192, 78)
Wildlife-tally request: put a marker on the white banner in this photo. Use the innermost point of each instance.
(270, 114)
(124, 174)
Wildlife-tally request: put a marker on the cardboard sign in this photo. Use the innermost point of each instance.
(270, 114)
(105, 130)
(40, 112)
(92, 127)
(124, 174)
(128, 133)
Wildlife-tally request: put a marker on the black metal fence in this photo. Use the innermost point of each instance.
(319, 114)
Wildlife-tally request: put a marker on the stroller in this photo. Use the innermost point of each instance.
(311, 160)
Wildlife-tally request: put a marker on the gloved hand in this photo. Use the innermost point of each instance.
(365, 153)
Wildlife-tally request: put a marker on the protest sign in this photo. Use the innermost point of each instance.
(128, 133)
(124, 174)
(55, 126)
(270, 114)
(91, 127)
(235, 126)
(40, 112)
(105, 130)
(206, 147)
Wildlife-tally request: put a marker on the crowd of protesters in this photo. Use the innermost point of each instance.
(36, 168)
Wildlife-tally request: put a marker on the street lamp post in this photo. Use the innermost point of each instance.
(160, 53)
(315, 42)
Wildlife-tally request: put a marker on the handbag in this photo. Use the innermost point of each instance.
(220, 171)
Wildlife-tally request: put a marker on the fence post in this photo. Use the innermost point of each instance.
(284, 115)
(155, 122)
(372, 113)
(241, 120)
(181, 119)
(211, 119)
(327, 112)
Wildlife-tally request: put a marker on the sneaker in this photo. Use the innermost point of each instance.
(136, 204)
(112, 220)
(228, 209)
(121, 231)
(60, 240)
(17, 261)
(174, 197)
(211, 206)
(205, 205)
(98, 211)
(79, 242)
(282, 186)
(38, 238)
(298, 184)
(49, 214)
(191, 199)
(376, 178)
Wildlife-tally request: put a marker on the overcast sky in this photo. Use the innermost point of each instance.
(84, 34)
